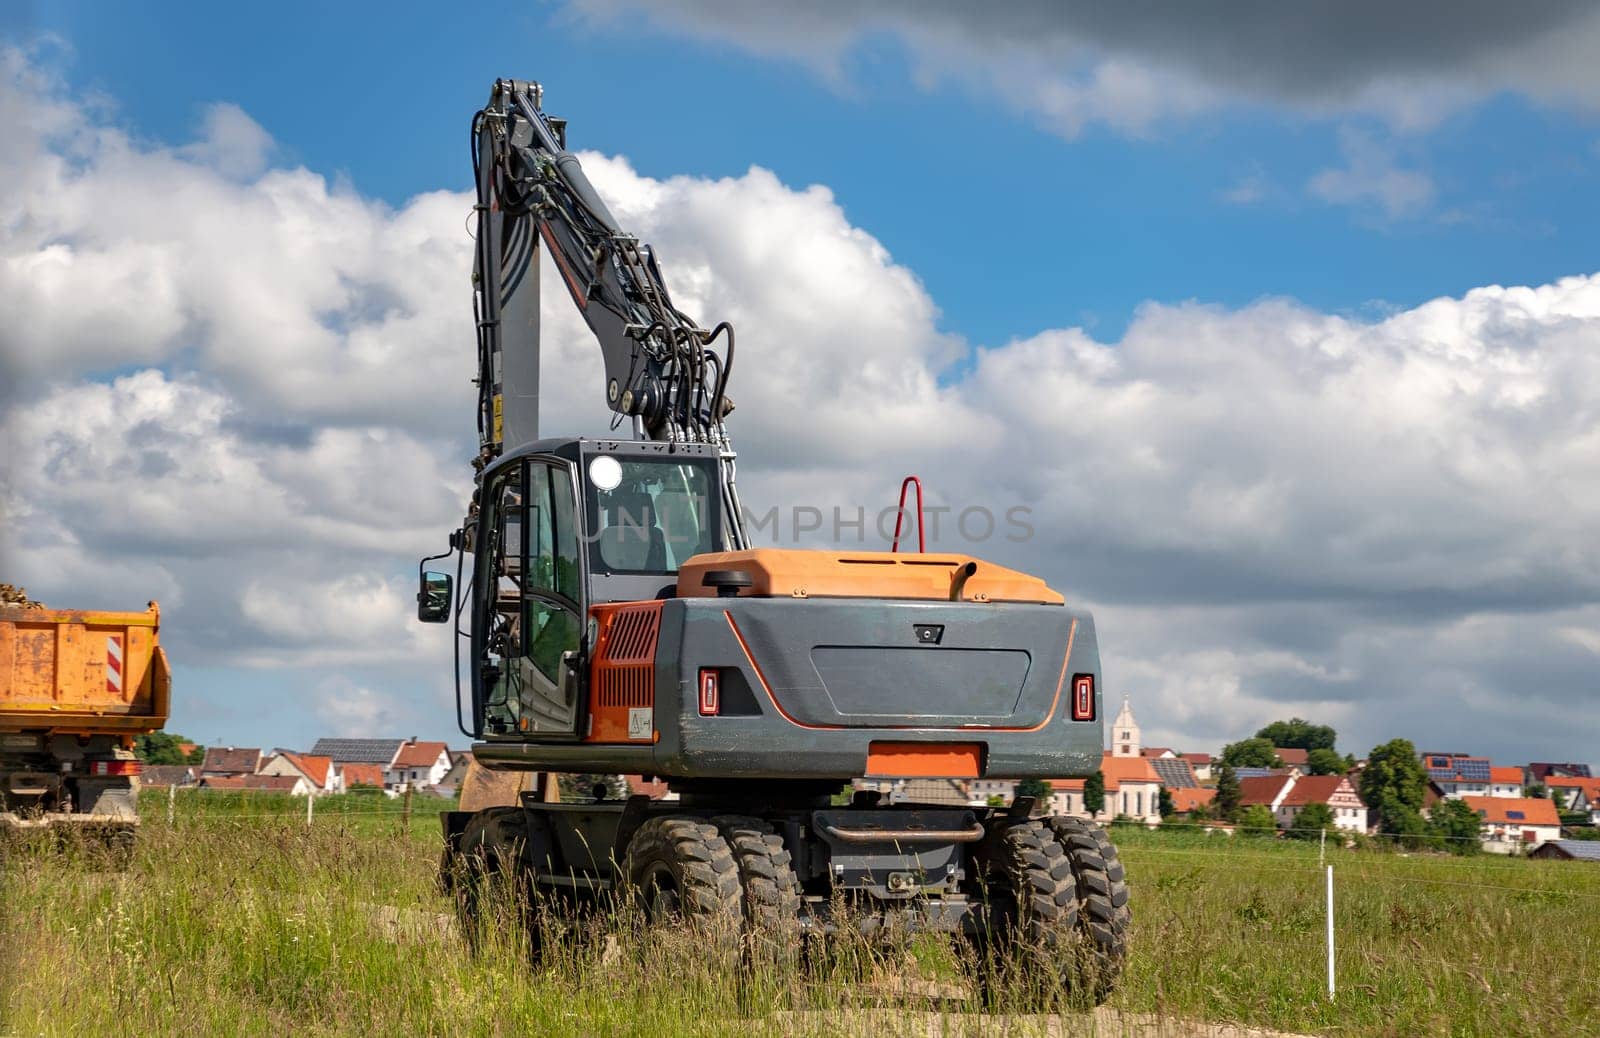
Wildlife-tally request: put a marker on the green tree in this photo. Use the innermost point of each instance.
(1257, 820)
(1325, 762)
(1164, 803)
(1226, 802)
(1039, 789)
(1456, 826)
(1094, 793)
(1393, 785)
(1311, 822)
(1251, 753)
(165, 748)
(1298, 733)
(1537, 791)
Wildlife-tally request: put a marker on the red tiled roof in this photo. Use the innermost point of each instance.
(313, 768)
(362, 775)
(1563, 782)
(420, 754)
(1116, 771)
(1505, 776)
(1192, 799)
(1314, 789)
(1154, 751)
(1498, 810)
(1291, 755)
(1196, 758)
(1263, 790)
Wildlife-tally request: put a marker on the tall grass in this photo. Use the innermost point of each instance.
(253, 924)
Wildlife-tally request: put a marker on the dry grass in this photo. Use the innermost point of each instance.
(229, 925)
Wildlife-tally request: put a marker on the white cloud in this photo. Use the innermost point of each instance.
(1272, 509)
(1370, 178)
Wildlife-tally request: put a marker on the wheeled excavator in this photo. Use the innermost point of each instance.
(618, 620)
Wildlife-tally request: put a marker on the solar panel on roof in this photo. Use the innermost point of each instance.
(1517, 815)
(1473, 770)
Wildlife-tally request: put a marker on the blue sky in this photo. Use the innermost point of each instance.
(1186, 253)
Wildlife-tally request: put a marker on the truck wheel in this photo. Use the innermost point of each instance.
(1103, 911)
(1031, 913)
(682, 869)
(495, 872)
(771, 903)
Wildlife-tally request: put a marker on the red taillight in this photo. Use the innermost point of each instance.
(1083, 697)
(115, 767)
(710, 692)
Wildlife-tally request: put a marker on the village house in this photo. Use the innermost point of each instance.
(1294, 757)
(981, 790)
(343, 752)
(419, 765)
(1505, 782)
(294, 785)
(1458, 774)
(1510, 826)
(227, 761)
(1132, 788)
(1201, 763)
(160, 776)
(356, 775)
(1568, 850)
(1337, 791)
(1577, 794)
(1286, 795)
(1192, 799)
(1542, 771)
(317, 771)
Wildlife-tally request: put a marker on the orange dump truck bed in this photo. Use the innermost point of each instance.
(87, 673)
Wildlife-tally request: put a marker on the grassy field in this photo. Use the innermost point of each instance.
(241, 920)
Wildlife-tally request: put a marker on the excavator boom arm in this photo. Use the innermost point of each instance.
(661, 367)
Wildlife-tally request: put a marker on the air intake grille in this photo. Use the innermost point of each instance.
(625, 674)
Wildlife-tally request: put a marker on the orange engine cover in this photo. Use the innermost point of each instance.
(622, 678)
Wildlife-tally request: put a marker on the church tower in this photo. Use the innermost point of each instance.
(1125, 733)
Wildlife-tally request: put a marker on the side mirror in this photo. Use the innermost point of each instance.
(433, 599)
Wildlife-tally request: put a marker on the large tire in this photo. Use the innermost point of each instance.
(1104, 914)
(681, 868)
(1029, 919)
(501, 854)
(770, 898)
(1029, 883)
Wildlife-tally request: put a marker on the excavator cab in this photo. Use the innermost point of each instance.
(563, 526)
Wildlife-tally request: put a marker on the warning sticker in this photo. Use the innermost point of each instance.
(639, 722)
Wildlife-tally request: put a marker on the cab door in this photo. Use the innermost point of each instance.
(529, 595)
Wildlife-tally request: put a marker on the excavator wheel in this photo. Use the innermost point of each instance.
(771, 900)
(1103, 911)
(1031, 897)
(683, 871)
(500, 853)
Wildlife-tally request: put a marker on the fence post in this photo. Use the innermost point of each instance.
(310, 799)
(172, 802)
(1330, 933)
(405, 812)
(1322, 845)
